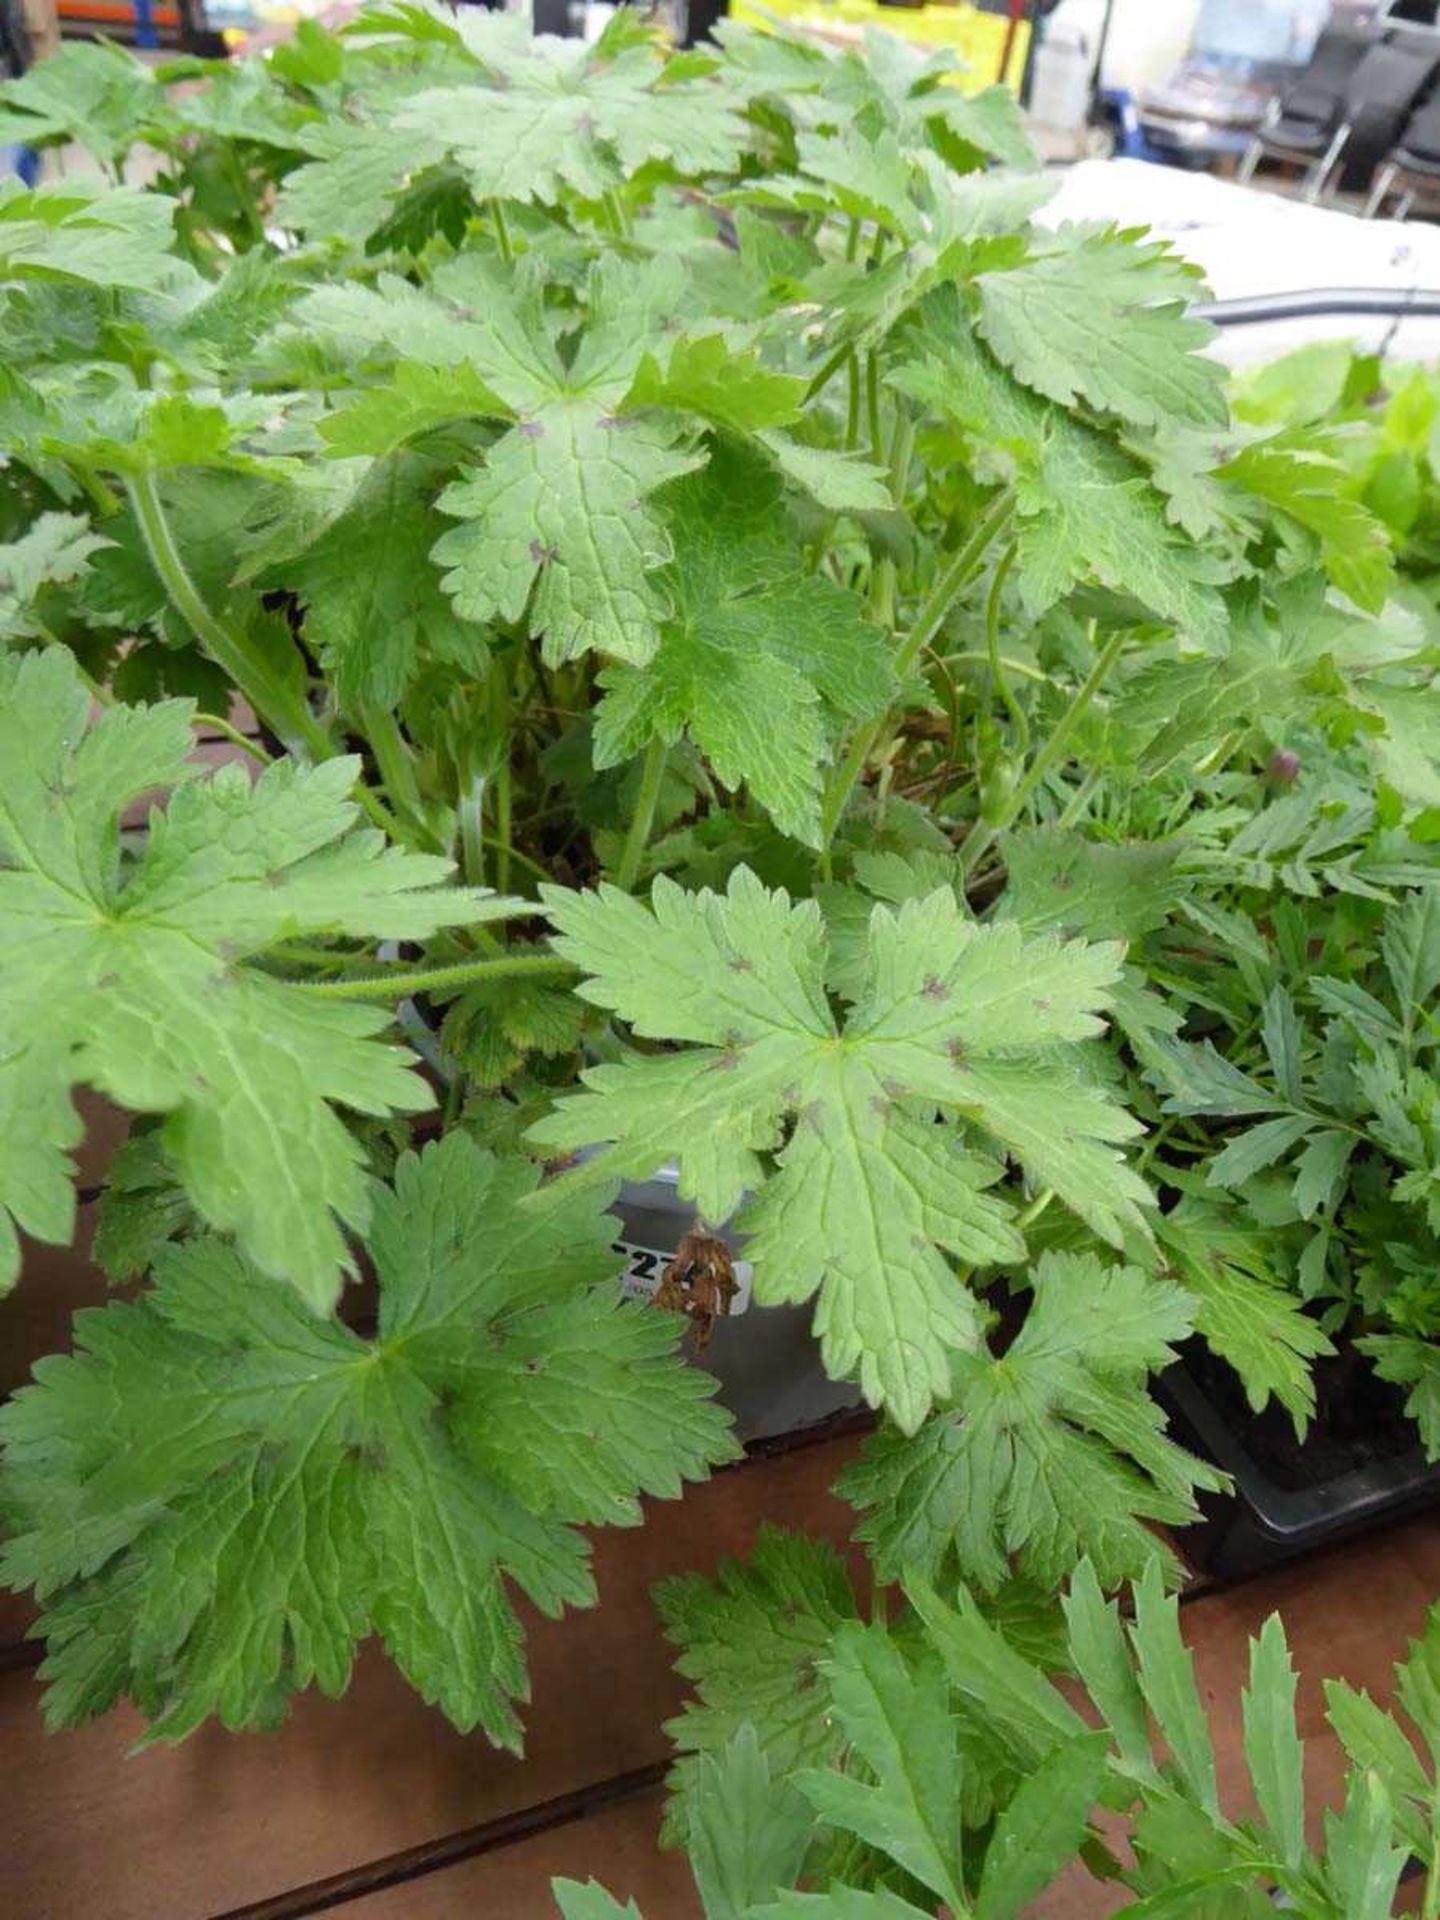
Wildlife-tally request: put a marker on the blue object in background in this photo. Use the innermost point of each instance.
(22, 160)
(1118, 110)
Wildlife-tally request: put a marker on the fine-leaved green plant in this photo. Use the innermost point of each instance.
(949, 1772)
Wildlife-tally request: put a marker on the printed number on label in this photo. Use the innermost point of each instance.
(645, 1269)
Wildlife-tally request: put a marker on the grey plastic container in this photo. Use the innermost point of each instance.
(766, 1359)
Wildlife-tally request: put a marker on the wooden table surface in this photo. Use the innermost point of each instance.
(372, 1808)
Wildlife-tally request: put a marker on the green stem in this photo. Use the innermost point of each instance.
(232, 734)
(852, 404)
(1157, 1140)
(657, 754)
(470, 812)
(290, 954)
(952, 701)
(98, 691)
(1215, 760)
(376, 812)
(502, 826)
(852, 239)
(101, 497)
(394, 760)
(993, 603)
(954, 577)
(520, 859)
(502, 233)
(1079, 800)
(962, 568)
(284, 708)
(1033, 1212)
(454, 1099)
(400, 981)
(872, 407)
(882, 591)
(829, 369)
(1048, 757)
(979, 654)
(902, 445)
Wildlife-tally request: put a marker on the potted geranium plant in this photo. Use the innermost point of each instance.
(766, 649)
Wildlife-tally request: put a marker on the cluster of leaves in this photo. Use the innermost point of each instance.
(1297, 1097)
(1334, 1136)
(890, 726)
(933, 1765)
(218, 1495)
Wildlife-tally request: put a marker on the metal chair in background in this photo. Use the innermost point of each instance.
(1324, 127)
(1303, 121)
(1412, 170)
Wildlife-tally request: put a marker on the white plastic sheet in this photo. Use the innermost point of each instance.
(1250, 242)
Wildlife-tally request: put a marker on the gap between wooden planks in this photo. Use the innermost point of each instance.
(226, 1821)
(611, 1832)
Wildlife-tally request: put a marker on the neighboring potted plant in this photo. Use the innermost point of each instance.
(1301, 1095)
(785, 653)
(929, 1764)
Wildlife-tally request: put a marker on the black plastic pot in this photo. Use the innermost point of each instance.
(1294, 1498)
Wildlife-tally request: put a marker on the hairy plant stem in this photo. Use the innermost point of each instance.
(376, 812)
(643, 818)
(983, 837)
(882, 591)
(954, 577)
(292, 954)
(993, 604)
(502, 233)
(283, 708)
(399, 981)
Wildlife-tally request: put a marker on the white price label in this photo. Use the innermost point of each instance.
(645, 1269)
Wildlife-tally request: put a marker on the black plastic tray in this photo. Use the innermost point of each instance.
(1262, 1523)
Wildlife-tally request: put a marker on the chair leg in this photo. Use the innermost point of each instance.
(1404, 204)
(1380, 192)
(1317, 180)
(1245, 172)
